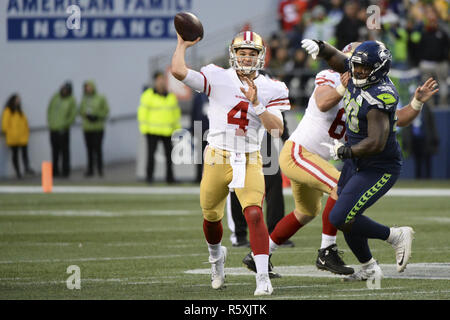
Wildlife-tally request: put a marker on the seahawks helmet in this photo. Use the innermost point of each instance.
(374, 55)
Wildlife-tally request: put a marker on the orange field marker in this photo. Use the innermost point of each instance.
(47, 176)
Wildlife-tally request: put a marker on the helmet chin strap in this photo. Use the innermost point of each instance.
(247, 70)
(362, 82)
(359, 82)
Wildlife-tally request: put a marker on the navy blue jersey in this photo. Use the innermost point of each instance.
(358, 102)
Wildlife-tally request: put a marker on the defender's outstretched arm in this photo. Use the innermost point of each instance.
(334, 57)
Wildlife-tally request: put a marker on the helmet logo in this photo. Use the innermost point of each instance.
(383, 55)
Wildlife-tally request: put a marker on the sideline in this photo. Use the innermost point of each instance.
(426, 271)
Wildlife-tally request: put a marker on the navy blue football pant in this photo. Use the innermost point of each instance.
(358, 190)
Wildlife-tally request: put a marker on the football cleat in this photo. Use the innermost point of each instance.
(328, 259)
(218, 270)
(371, 271)
(250, 264)
(401, 240)
(263, 285)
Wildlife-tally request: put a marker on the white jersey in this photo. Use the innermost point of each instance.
(317, 126)
(233, 123)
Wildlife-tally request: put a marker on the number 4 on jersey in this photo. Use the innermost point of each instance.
(242, 120)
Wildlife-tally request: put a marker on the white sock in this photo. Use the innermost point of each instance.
(393, 234)
(262, 263)
(272, 245)
(366, 264)
(327, 241)
(214, 250)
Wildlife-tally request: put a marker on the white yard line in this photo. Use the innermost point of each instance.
(166, 256)
(98, 213)
(427, 271)
(127, 281)
(370, 293)
(401, 192)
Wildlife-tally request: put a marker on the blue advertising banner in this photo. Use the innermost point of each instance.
(37, 20)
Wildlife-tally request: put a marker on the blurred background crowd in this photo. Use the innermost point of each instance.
(416, 32)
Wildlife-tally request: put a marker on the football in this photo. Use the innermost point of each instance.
(188, 26)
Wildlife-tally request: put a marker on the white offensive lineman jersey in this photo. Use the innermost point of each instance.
(233, 123)
(317, 126)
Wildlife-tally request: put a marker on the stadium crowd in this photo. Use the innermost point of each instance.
(416, 32)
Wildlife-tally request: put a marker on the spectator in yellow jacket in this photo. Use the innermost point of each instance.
(15, 127)
(94, 110)
(61, 113)
(159, 116)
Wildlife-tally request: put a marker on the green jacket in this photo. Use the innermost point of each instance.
(61, 112)
(94, 110)
(157, 114)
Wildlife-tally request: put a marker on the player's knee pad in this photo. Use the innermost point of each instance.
(253, 215)
(344, 226)
(212, 215)
(312, 213)
(336, 220)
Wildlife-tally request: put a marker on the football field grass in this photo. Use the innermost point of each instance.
(151, 246)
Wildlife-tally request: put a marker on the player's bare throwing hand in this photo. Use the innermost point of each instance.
(242, 104)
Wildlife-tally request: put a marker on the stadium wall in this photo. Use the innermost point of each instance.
(440, 161)
(116, 46)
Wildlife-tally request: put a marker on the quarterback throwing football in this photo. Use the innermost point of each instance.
(243, 104)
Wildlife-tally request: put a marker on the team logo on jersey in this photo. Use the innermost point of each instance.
(386, 88)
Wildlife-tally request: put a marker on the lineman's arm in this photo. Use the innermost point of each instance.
(335, 58)
(407, 114)
(327, 97)
(377, 135)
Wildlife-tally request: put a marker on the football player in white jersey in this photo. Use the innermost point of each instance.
(243, 103)
(304, 160)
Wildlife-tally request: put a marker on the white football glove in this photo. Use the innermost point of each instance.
(333, 148)
(311, 47)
